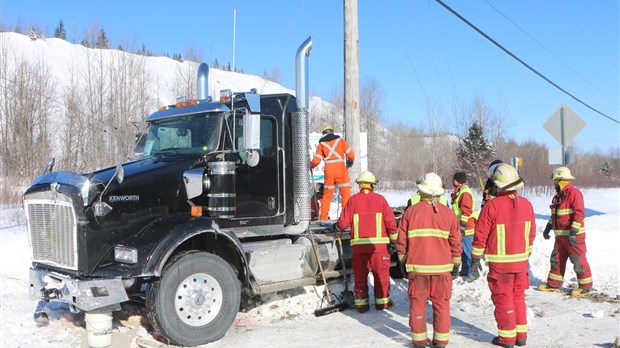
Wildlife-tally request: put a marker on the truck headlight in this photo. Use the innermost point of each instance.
(125, 254)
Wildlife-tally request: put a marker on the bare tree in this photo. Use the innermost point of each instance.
(28, 94)
(75, 130)
(185, 79)
(371, 96)
(274, 75)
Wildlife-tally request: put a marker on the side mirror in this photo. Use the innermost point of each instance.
(120, 173)
(251, 131)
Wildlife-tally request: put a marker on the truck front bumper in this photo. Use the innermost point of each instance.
(86, 294)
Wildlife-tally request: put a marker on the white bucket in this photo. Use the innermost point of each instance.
(99, 329)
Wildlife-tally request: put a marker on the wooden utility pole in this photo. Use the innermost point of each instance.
(352, 87)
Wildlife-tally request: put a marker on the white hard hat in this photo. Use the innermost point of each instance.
(506, 177)
(430, 184)
(366, 177)
(562, 173)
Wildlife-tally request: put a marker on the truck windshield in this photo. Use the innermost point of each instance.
(192, 134)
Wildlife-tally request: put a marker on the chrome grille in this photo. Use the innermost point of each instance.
(52, 231)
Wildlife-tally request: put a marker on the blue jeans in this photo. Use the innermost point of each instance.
(466, 256)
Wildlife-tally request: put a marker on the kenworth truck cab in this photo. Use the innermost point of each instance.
(219, 206)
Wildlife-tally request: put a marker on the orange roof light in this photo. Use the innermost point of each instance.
(196, 211)
(186, 103)
(225, 94)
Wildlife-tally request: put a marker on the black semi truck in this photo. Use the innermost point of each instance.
(218, 207)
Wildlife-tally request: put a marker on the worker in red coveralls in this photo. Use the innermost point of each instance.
(338, 156)
(464, 206)
(373, 227)
(567, 221)
(429, 244)
(505, 233)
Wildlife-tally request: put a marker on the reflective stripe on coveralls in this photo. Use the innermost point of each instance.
(378, 239)
(457, 209)
(430, 268)
(501, 255)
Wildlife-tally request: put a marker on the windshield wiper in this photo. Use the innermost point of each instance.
(169, 151)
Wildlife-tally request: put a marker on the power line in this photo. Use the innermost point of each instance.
(522, 62)
(548, 51)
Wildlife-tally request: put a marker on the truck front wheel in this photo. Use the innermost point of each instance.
(196, 299)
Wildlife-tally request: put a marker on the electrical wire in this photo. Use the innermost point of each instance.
(522, 62)
(551, 53)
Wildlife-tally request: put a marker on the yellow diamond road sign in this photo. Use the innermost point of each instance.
(573, 124)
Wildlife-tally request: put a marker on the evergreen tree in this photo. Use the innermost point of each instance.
(216, 64)
(102, 40)
(60, 31)
(475, 152)
(607, 169)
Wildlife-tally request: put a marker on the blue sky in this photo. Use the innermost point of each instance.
(417, 51)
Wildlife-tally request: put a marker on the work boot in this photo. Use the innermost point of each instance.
(580, 292)
(520, 343)
(362, 309)
(469, 279)
(496, 342)
(388, 305)
(547, 288)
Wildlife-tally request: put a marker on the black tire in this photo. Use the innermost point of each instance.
(196, 299)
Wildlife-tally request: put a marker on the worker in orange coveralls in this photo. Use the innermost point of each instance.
(338, 156)
(373, 227)
(567, 221)
(505, 234)
(429, 243)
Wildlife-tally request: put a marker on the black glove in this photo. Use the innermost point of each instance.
(455, 271)
(463, 226)
(572, 237)
(349, 163)
(547, 231)
(391, 248)
(475, 267)
(337, 231)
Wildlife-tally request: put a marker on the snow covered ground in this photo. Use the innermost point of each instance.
(286, 320)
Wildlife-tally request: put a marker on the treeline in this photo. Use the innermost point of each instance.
(90, 120)
(467, 137)
(96, 37)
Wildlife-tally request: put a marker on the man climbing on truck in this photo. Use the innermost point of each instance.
(338, 157)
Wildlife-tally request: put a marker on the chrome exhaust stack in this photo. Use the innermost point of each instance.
(301, 145)
(202, 82)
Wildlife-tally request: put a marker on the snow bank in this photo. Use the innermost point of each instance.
(285, 319)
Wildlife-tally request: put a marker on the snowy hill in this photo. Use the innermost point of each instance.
(63, 57)
(92, 91)
(285, 319)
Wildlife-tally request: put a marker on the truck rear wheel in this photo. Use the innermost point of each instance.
(196, 299)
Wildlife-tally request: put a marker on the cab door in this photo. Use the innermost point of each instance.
(257, 187)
